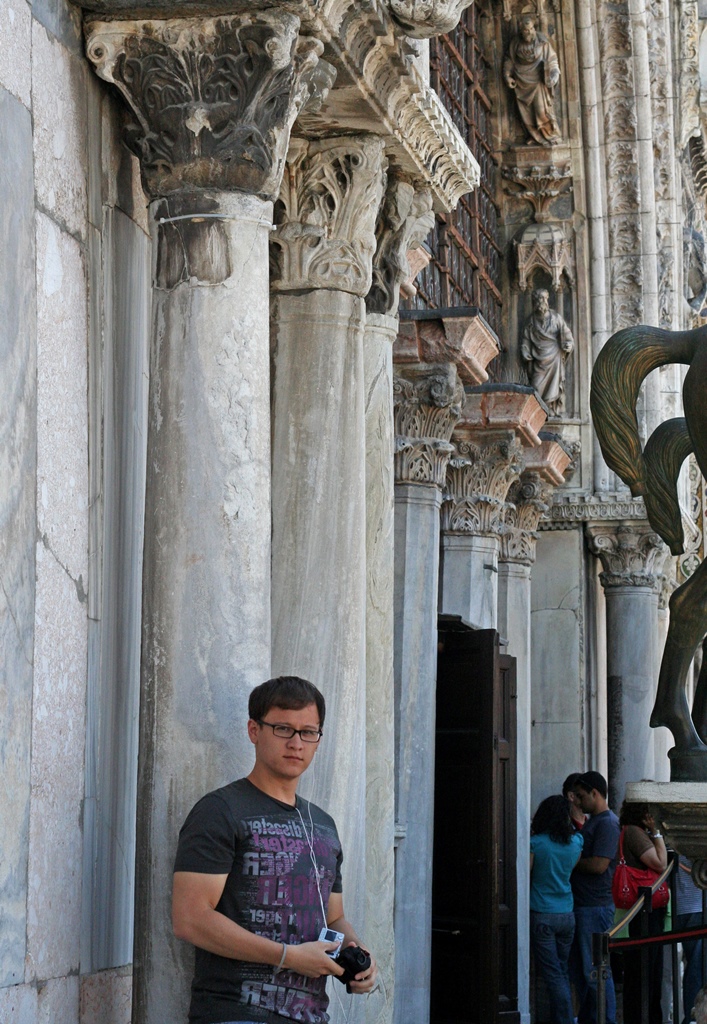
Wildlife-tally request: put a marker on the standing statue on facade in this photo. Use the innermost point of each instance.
(621, 367)
(532, 71)
(545, 344)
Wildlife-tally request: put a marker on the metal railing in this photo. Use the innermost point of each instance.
(604, 943)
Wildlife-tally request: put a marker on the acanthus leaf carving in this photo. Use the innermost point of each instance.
(326, 214)
(628, 553)
(479, 477)
(405, 221)
(213, 99)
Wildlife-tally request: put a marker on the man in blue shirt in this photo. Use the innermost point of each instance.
(591, 887)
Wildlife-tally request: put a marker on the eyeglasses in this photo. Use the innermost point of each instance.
(286, 732)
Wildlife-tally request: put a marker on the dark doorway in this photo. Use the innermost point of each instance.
(474, 917)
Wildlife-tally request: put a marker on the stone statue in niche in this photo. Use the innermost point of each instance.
(545, 344)
(532, 71)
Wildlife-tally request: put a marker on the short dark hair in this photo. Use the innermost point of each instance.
(291, 693)
(593, 780)
(570, 782)
(633, 814)
(553, 817)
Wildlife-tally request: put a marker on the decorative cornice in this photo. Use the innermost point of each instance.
(426, 405)
(589, 509)
(406, 220)
(424, 18)
(326, 215)
(388, 95)
(628, 553)
(213, 99)
(478, 480)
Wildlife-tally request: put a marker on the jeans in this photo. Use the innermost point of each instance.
(588, 920)
(551, 941)
(692, 951)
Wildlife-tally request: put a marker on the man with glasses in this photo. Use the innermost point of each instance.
(258, 875)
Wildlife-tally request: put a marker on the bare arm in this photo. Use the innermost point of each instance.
(657, 857)
(195, 919)
(593, 865)
(366, 980)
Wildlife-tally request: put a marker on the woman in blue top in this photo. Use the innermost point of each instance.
(555, 847)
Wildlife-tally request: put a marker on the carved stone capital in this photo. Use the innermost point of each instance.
(213, 99)
(528, 501)
(479, 477)
(426, 405)
(406, 219)
(628, 553)
(326, 215)
(423, 18)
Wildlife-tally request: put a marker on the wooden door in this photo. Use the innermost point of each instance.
(474, 927)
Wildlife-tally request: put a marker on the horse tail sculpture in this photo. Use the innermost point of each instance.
(667, 448)
(621, 367)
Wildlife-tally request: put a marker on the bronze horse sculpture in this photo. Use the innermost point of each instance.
(620, 369)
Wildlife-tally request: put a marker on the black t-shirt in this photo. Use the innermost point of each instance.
(271, 890)
(601, 839)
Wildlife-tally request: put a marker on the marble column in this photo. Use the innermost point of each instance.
(212, 166)
(628, 552)
(488, 459)
(427, 401)
(321, 259)
(406, 219)
(529, 498)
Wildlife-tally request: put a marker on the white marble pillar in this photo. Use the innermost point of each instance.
(206, 609)
(322, 268)
(628, 552)
(406, 219)
(427, 405)
(529, 499)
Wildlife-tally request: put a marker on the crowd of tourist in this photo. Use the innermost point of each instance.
(575, 846)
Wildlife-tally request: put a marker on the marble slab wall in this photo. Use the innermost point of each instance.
(18, 467)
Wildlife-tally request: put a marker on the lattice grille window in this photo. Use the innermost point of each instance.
(466, 258)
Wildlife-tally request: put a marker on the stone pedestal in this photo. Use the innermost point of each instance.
(628, 552)
(427, 405)
(215, 166)
(321, 270)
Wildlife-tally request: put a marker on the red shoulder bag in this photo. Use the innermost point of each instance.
(627, 882)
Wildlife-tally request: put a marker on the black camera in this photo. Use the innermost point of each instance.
(354, 960)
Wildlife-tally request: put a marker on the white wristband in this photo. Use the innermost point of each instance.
(282, 959)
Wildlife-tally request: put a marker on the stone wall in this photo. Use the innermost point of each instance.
(65, 183)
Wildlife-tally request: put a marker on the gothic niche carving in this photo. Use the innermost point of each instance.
(531, 70)
(540, 186)
(546, 342)
(543, 247)
(213, 99)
